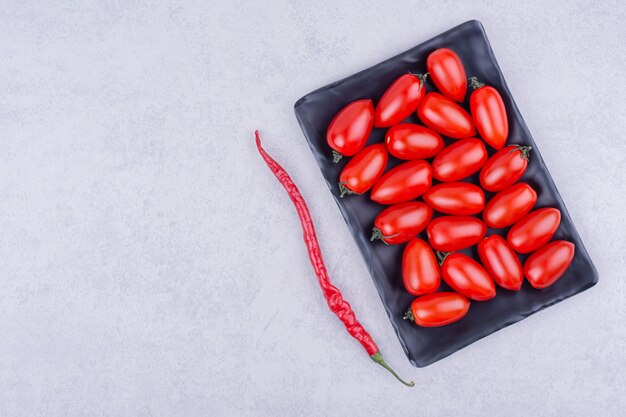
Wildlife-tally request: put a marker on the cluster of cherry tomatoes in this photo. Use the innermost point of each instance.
(424, 264)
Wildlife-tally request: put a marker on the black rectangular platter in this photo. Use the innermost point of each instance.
(424, 346)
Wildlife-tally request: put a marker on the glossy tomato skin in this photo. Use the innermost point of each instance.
(401, 222)
(467, 277)
(459, 160)
(405, 182)
(450, 233)
(351, 127)
(544, 267)
(534, 230)
(439, 309)
(420, 270)
(457, 198)
(409, 141)
(509, 205)
(400, 100)
(363, 170)
(447, 72)
(489, 116)
(501, 262)
(504, 167)
(446, 117)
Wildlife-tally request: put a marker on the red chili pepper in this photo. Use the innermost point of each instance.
(333, 296)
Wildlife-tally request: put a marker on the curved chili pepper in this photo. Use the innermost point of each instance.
(333, 296)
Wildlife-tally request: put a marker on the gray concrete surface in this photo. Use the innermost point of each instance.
(151, 266)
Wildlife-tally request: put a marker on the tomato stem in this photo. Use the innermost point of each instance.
(475, 84)
(378, 234)
(378, 358)
(409, 315)
(337, 156)
(421, 77)
(441, 256)
(344, 190)
(524, 151)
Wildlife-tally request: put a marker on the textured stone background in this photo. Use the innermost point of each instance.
(151, 266)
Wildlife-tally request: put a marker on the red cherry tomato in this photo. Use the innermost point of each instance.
(509, 205)
(405, 182)
(400, 100)
(467, 277)
(549, 263)
(410, 141)
(459, 198)
(501, 262)
(401, 222)
(447, 72)
(450, 233)
(489, 114)
(505, 167)
(363, 170)
(534, 230)
(438, 309)
(420, 270)
(459, 160)
(349, 130)
(446, 117)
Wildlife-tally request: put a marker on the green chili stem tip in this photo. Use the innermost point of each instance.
(378, 358)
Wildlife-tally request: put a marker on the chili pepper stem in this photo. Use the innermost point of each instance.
(378, 358)
(337, 156)
(475, 84)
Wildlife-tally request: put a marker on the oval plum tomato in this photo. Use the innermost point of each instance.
(447, 72)
(420, 270)
(501, 262)
(450, 233)
(400, 100)
(446, 117)
(505, 167)
(459, 198)
(410, 141)
(459, 160)
(467, 277)
(489, 114)
(402, 183)
(549, 263)
(534, 230)
(509, 205)
(350, 128)
(363, 170)
(438, 309)
(401, 222)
